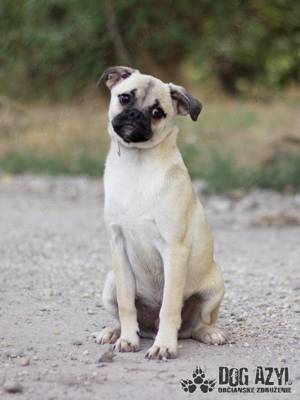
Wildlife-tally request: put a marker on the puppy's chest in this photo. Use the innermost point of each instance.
(131, 193)
(131, 202)
(134, 211)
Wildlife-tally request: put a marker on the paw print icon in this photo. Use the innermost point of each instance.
(188, 385)
(199, 380)
(198, 376)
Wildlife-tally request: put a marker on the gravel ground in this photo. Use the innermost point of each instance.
(54, 256)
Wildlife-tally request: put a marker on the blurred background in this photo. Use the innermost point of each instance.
(240, 58)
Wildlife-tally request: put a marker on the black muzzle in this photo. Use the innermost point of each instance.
(133, 126)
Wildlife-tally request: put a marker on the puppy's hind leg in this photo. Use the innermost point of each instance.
(205, 329)
(109, 334)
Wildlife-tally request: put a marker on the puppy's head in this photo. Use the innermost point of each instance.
(142, 107)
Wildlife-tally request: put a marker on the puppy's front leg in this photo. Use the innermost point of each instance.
(175, 266)
(125, 284)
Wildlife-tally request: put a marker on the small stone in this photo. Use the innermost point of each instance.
(13, 387)
(48, 292)
(85, 353)
(246, 344)
(90, 312)
(44, 309)
(297, 199)
(22, 373)
(24, 361)
(107, 354)
(77, 342)
(12, 354)
(7, 354)
(220, 204)
(236, 194)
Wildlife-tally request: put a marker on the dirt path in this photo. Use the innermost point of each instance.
(53, 259)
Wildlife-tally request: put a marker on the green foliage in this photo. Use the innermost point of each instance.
(223, 174)
(218, 169)
(253, 41)
(20, 162)
(280, 175)
(57, 46)
(61, 46)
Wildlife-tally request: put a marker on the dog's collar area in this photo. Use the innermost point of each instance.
(143, 145)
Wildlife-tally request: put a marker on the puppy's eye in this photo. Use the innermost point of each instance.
(157, 113)
(124, 99)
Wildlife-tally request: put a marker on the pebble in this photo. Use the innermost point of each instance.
(44, 309)
(90, 312)
(22, 373)
(85, 353)
(220, 204)
(13, 387)
(24, 361)
(77, 342)
(16, 354)
(106, 354)
(246, 344)
(48, 292)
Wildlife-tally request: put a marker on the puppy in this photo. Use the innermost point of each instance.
(164, 282)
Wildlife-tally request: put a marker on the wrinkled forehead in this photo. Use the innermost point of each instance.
(147, 90)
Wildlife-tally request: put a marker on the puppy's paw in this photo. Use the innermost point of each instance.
(160, 351)
(124, 345)
(210, 335)
(107, 335)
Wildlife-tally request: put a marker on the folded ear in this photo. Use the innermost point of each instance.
(114, 75)
(184, 103)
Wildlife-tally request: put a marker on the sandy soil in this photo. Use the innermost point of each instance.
(54, 256)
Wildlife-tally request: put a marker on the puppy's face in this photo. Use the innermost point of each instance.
(142, 107)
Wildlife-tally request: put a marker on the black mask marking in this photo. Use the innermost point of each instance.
(133, 126)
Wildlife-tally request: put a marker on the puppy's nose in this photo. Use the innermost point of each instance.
(134, 115)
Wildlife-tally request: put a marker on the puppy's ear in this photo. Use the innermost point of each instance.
(184, 103)
(114, 75)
